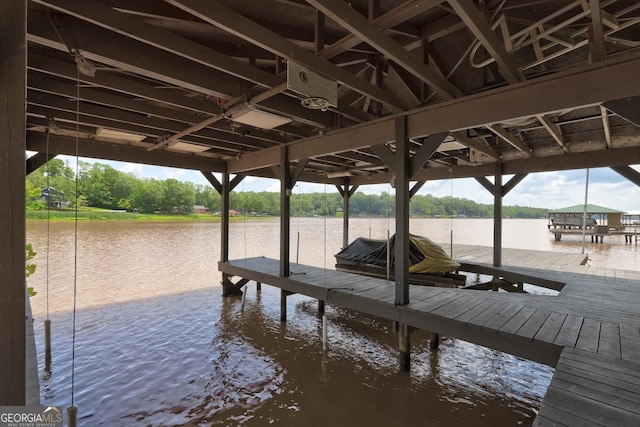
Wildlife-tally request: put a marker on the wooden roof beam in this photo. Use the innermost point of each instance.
(125, 153)
(463, 139)
(609, 80)
(510, 139)
(606, 126)
(596, 32)
(131, 26)
(67, 70)
(479, 26)
(594, 159)
(219, 15)
(135, 28)
(554, 130)
(340, 12)
(114, 50)
(390, 19)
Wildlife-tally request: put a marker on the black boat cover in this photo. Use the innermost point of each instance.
(425, 256)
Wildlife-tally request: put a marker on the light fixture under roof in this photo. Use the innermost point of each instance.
(339, 174)
(104, 133)
(192, 148)
(315, 103)
(257, 118)
(319, 92)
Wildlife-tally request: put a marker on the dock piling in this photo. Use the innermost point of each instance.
(47, 343)
(404, 356)
(283, 305)
(434, 341)
(320, 308)
(72, 416)
(324, 332)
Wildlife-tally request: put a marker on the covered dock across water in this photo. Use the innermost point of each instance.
(324, 91)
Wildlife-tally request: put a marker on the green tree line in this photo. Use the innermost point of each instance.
(102, 186)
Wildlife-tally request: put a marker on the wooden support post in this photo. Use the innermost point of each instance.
(346, 195)
(224, 217)
(404, 355)
(283, 305)
(13, 65)
(497, 217)
(229, 288)
(402, 175)
(434, 341)
(320, 308)
(258, 286)
(285, 213)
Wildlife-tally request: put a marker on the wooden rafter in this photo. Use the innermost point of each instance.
(236, 24)
(357, 24)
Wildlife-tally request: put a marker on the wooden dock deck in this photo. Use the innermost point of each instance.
(630, 235)
(594, 318)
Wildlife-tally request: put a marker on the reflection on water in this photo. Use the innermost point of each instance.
(157, 344)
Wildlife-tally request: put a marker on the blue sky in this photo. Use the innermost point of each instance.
(551, 190)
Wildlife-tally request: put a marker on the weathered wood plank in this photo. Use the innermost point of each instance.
(549, 330)
(471, 313)
(422, 294)
(570, 330)
(581, 407)
(378, 293)
(589, 335)
(601, 383)
(516, 322)
(532, 326)
(548, 416)
(630, 343)
(438, 301)
(495, 321)
(609, 344)
(457, 307)
(619, 370)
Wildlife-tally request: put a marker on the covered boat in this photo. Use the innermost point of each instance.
(426, 259)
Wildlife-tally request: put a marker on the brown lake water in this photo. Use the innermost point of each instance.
(157, 345)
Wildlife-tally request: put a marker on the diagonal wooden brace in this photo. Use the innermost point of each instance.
(230, 288)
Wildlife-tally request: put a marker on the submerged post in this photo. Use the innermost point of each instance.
(47, 343)
(72, 416)
(283, 305)
(404, 356)
(324, 333)
(434, 341)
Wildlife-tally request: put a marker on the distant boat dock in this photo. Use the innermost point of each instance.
(593, 221)
(590, 331)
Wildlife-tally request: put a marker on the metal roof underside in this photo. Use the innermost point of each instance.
(591, 209)
(531, 85)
